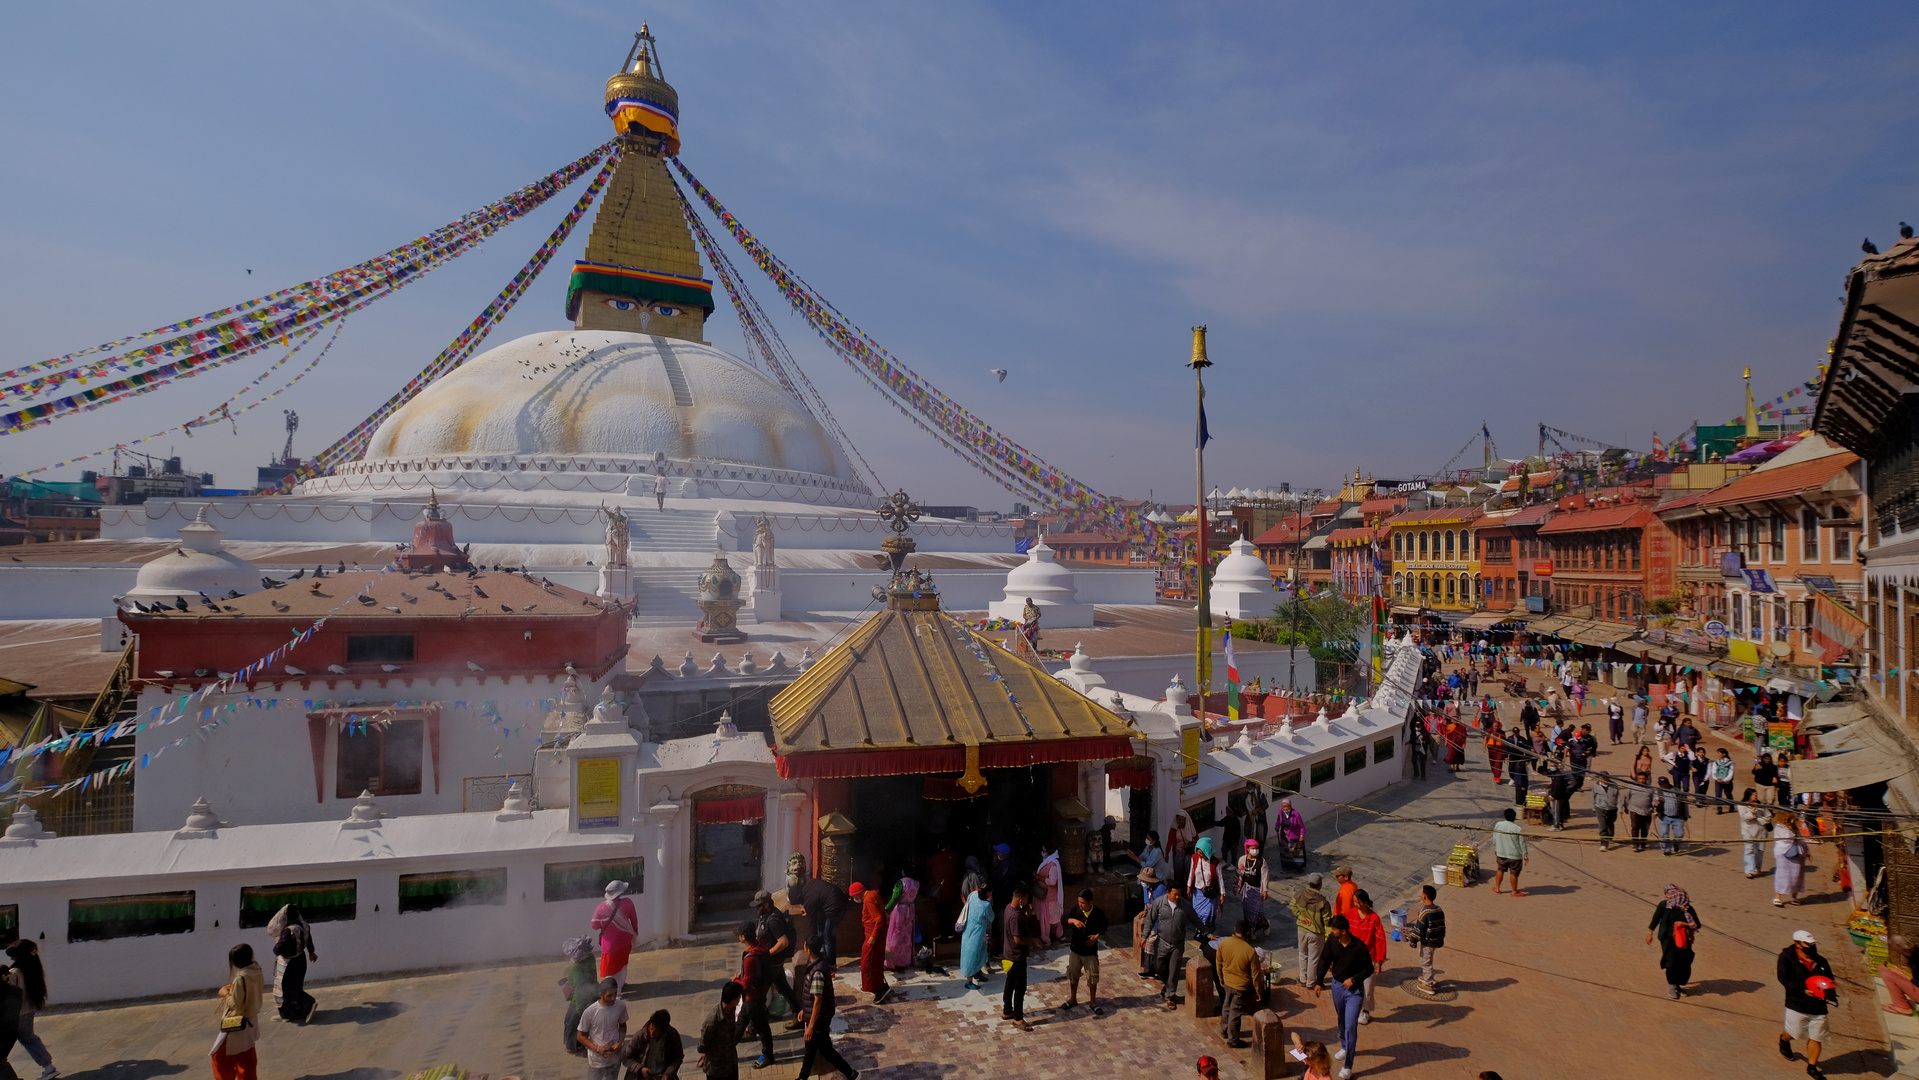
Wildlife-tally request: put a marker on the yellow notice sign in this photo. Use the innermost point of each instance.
(596, 791)
(1189, 755)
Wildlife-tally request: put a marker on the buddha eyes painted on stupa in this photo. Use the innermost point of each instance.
(622, 304)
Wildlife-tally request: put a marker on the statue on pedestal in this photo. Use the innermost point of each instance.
(616, 535)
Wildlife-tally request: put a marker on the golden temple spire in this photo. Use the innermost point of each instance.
(641, 272)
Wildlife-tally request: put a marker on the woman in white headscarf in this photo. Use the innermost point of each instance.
(618, 923)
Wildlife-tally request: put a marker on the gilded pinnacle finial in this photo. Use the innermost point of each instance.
(899, 512)
(1199, 349)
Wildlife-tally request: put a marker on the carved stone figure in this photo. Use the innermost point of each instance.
(616, 535)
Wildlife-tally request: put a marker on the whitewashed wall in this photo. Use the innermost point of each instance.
(44, 877)
(256, 767)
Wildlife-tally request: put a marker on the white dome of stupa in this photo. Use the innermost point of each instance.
(201, 564)
(608, 401)
(1242, 584)
(1049, 586)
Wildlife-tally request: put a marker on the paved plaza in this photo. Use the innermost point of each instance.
(1559, 983)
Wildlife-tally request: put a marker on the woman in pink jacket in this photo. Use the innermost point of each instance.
(618, 923)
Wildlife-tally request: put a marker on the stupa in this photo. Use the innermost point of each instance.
(1049, 586)
(200, 566)
(1242, 585)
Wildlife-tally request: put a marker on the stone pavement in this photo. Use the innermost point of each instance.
(1559, 983)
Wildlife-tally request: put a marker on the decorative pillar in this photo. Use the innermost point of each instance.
(785, 834)
(664, 872)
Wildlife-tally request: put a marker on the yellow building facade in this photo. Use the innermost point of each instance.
(1435, 557)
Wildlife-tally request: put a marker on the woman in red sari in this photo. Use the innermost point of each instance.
(873, 944)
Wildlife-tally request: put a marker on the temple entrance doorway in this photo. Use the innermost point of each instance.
(729, 826)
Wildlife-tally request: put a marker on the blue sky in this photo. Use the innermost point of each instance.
(1398, 219)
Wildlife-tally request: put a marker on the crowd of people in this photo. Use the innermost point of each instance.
(1672, 774)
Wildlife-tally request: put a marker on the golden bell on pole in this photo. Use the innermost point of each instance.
(1199, 349)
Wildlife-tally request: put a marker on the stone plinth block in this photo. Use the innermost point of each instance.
(1269, 1046)
(1199, 988)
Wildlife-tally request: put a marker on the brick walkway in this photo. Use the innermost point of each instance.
(1556, 984)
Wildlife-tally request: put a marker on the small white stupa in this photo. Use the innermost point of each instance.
(200, 565)
(1049, 586)
(1242, 584)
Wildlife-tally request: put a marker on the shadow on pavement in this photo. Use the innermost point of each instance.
(141, 1069)
(1479, 987)
(1550, 890)
(1873, 1062)
(1408, 1055)
(1724, 987)
(672, 988)
(366, 1012)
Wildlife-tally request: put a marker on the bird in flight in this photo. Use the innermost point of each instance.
(1000, 371)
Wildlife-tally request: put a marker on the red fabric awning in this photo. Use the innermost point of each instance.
(1129, 778)
(730, 811)
(951, 759)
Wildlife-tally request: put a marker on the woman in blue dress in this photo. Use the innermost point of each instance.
(977, 919)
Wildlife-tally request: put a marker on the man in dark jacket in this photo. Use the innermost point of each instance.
(1810, 990)
(719, 1057)
(1428, 932)
(1020, 934)
(1172, 923)
(656, 1052)
(772, 924)
(1559, 791)
(820, 901)
(1519, 755)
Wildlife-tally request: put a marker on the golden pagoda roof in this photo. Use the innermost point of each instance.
(919, 680)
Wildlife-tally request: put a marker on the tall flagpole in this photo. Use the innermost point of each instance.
(1203, 669)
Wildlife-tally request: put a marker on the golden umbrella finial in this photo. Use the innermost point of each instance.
(1199, 349)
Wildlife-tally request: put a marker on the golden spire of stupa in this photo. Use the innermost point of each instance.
(641, 272)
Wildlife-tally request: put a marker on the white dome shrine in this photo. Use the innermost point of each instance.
(1049, 586)
(1242, 584)
(201, 564)
(627, 402)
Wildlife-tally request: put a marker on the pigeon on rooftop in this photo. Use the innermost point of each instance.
(1905, 231)
(1868, 246)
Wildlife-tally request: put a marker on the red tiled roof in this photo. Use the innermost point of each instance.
(1352, 536)
(1381, 506)
(1330, 506)
(1532, 515)
(1784, 480)
(1632, 515)
(1289, 531)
